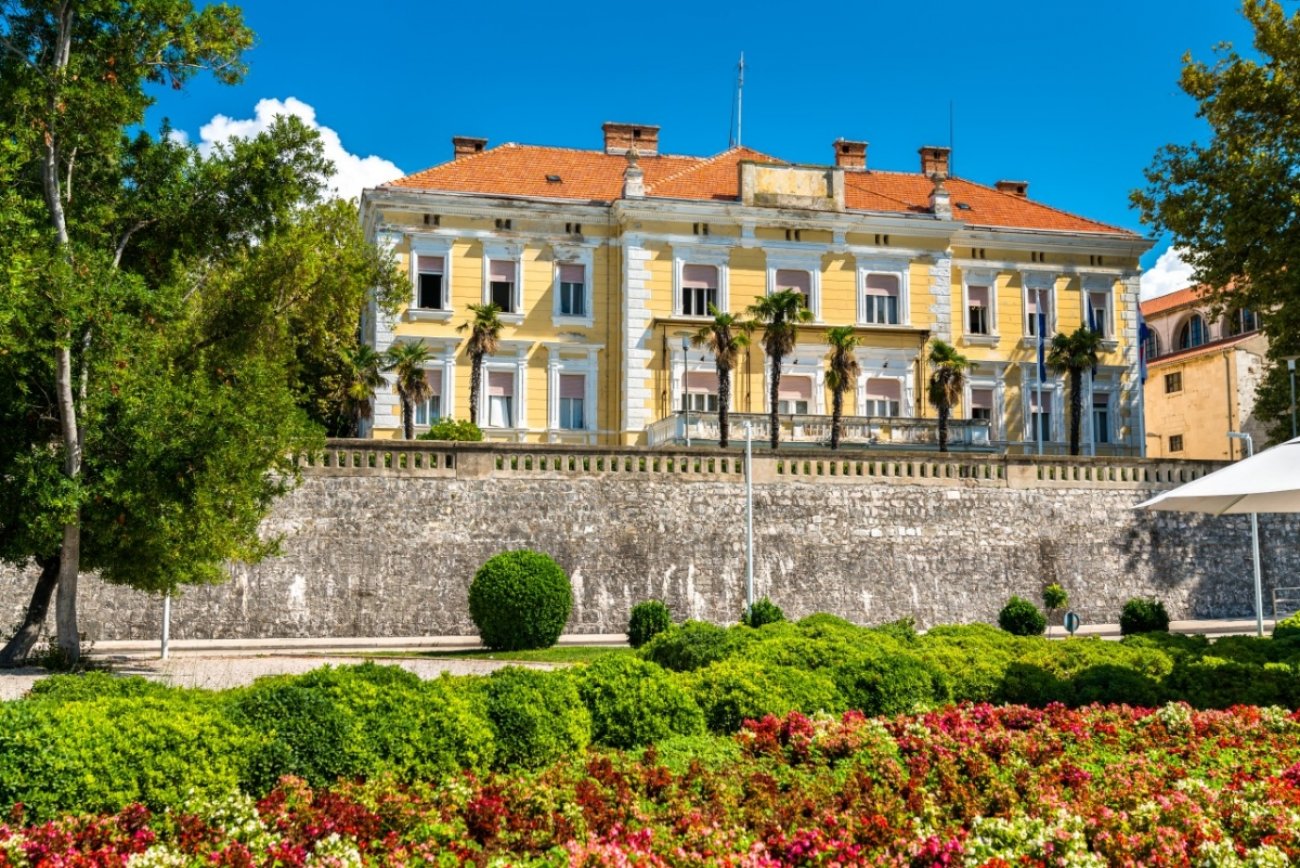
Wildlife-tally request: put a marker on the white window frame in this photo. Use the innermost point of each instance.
(505, 252)
(986, 278)
(898, 268)
(427, 246)
(717, 257)
(881, 364)
(1108, 392)
(696, 360)
(584, 256)
(1100, 285)
(1053, 391)
(512, 358)
(572, 359)
(999, 411)
(1035, 281)
(805, 361)
(809, 262)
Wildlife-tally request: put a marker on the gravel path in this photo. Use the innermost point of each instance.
(218, 673)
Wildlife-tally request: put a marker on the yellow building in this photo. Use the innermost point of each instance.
(1202, 373)
(603, 261)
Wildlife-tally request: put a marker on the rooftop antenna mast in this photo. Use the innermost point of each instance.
(737, 112)
(952, 127)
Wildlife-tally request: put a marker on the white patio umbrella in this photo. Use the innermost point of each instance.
(1267, 482)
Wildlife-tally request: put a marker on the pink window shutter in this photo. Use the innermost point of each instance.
(431, 264)
(573, 386)
(790, 279)
(502, 271)
(501, 384)
(795, 389)
(702, 381)
(571, 274)
(882, 284)
(981, 399)
(880, 389)
(435, 381)
(1033, 302)
(1033, 399)
(979, 296)
(699, 277)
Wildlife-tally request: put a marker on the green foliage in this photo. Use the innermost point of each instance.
(1288, 627)
(733, 691)
(879, 682)
(96, 685)
(1072, 355)
(304, 734)
(904, 629)
(648, 619)
(633, 703)
(520, 599)
(537, 717)
(1143, 616)
(694, 645)
(1055, 597)
(763, 612)
(680, 753)
(463, 431)
(824, 619)
(1019, 617)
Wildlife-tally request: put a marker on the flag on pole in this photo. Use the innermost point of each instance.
(1042, 347)
(1092, 327)
(1144, 333)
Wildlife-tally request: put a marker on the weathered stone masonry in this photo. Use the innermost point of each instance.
(386, 545)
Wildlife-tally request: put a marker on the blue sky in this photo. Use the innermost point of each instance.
(1075, 98)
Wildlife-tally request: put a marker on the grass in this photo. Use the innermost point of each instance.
(557, 654)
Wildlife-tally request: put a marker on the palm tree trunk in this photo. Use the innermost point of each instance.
(724, 405)
(1076, 408)
(408, 418)
(774, 418)
(17, 649)
(944, 411)
(475, 381)
(837, 415)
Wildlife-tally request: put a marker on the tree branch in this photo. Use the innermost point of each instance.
(126, 238)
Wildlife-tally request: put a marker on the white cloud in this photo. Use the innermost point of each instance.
(352, 173)
(1170, 274)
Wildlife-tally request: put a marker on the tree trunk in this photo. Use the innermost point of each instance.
(943, 426)
(15, 653)
(837, 415)
(724, 405)
(774, 418)
(475, 381)
(408, 418)
(1076, 408)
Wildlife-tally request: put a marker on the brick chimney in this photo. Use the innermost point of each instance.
(934, 160)
(621, 138)
(1015, 188)
(850, 155)
(464, 146)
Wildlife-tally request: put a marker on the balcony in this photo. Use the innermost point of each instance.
(885, 432)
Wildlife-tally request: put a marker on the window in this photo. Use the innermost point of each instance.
(502, 274)
(884, 397)
(1176, 443)
(1101, 418)
(501, 399)
(1173, 382)
(573, 290)
(1152, 345)
(1040, 415)
(430, 411)
(981, 405)
(1098, 313)
(977, 310)
(881, 302)
(699, 289)
(701, 392)
(1192, 334)
(429, 283)
(1038, 301)
(1239, 322)
(794, 395)
(800, 281)
(573, 394)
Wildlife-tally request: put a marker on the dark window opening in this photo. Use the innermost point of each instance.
(431, 291)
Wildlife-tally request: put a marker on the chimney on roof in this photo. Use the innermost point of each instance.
(1015, 188)
(850, 155)
(934, 160)
(633, 178)
(621, 138)
(940, 201)
(464, 146)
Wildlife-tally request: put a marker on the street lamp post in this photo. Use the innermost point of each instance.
(1254, 542)
(686, 385)
(1290, 366)
(749, 516)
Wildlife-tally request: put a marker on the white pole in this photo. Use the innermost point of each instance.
(686, 385)
(1142, 419)
(166, 625)
(1254, 542)
(1090, 418)
(749, 516)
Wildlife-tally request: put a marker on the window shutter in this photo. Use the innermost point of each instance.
(882, 284)
(501, 384)
(790, 279)
(702, 381)
(981, 399)
(435, 381)
(884, 389)
(979, 296)
(502, 271)
(431, 264)
(571, 274)
(795, 389)
(573, 386)
(699, 277)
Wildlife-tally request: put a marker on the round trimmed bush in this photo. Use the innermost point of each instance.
(1019, 617)
(696, 644)
(879, 682)
(633, 703)
(733, 691)
(647, 620)
(763, 611)
(1142, 615)
(520, 600)
(538, 717)
(305, 734)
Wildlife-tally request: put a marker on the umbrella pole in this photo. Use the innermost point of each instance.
(1254, 541)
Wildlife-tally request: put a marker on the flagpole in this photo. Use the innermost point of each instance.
(1041, 322)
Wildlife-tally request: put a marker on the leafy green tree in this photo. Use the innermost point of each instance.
(484, 329)
(842, 371)
(407, 361)
(1072, 355)
(780, 314)
(948, 370)
(1229, 201)
(362, 377)
(726, 337)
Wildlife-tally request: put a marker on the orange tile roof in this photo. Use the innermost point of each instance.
(594, 176)
(1173, 300)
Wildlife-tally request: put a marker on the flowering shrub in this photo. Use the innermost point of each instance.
(970, 785)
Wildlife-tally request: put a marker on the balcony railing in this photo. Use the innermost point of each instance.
(890, 432)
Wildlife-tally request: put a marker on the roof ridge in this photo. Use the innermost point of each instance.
(708, 161)
(466, 158)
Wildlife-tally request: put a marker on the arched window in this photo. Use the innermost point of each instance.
(1192, 334)
(1239, 322)
(1152, 345)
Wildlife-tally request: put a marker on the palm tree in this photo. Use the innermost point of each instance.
(947, 382)
(361, 379)
(407, 361)
(1073, 354)
(841, 371)
(484, 336)
(725, 337)
(780, 314)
